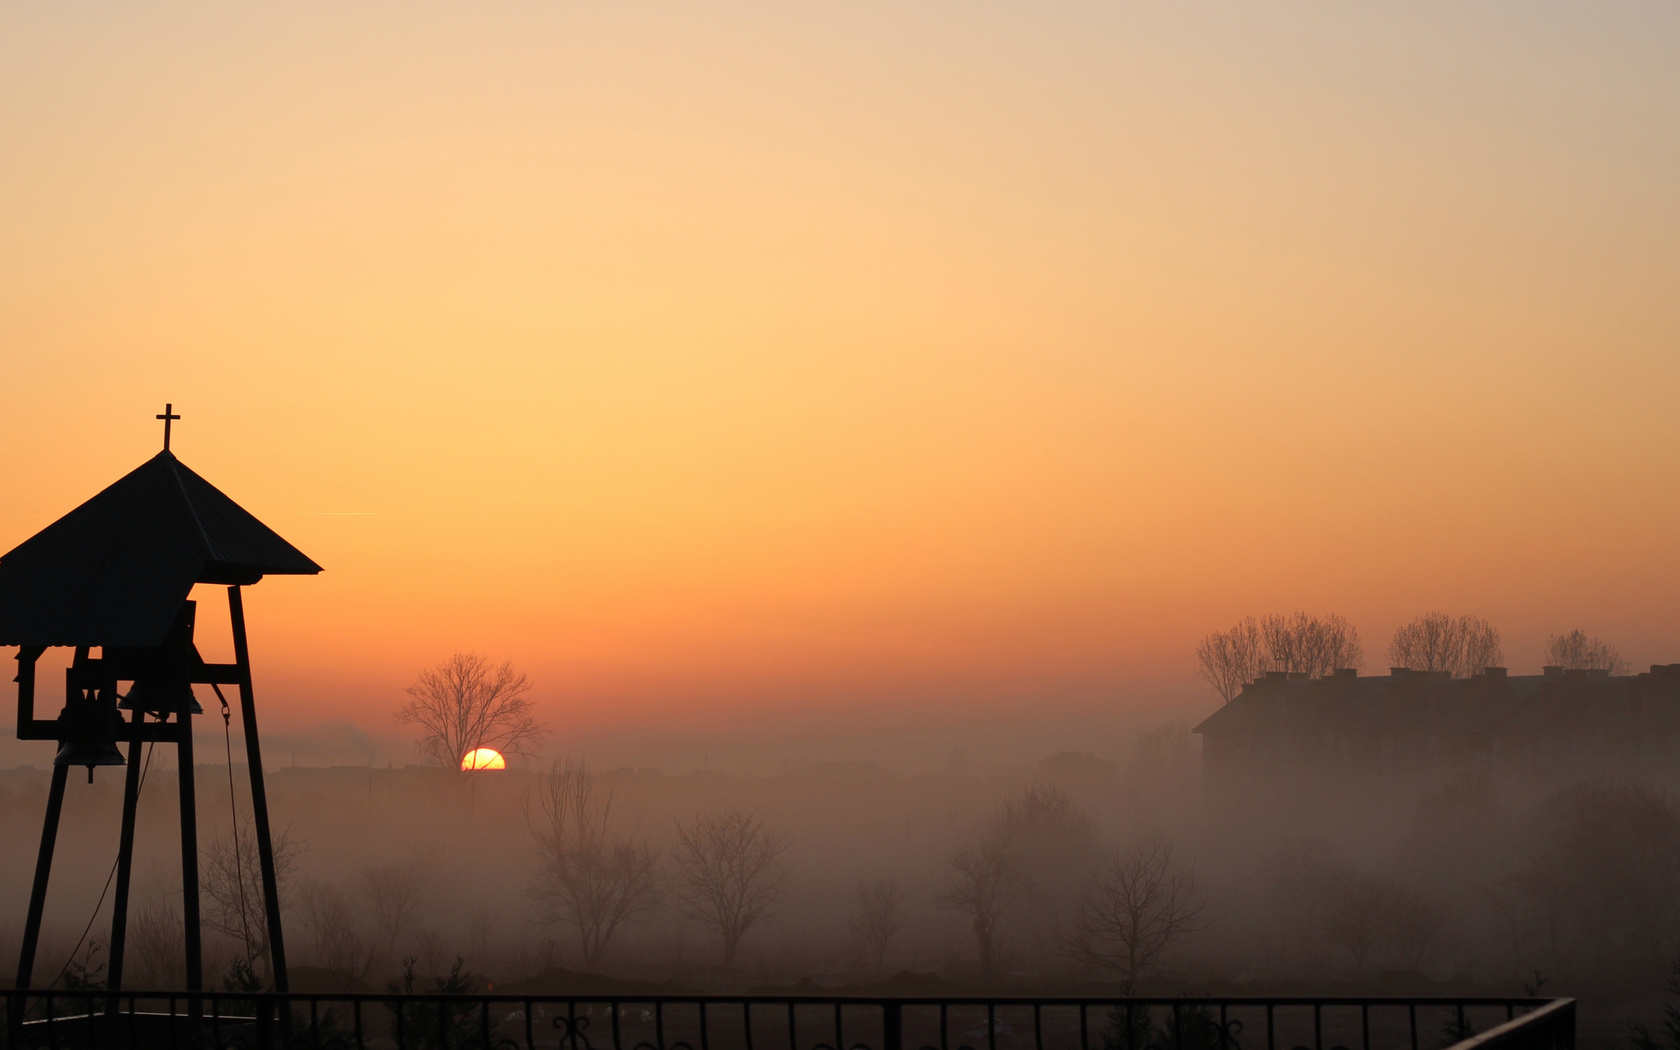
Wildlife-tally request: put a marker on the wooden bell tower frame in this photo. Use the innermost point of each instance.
(103, 675)
(114, 575)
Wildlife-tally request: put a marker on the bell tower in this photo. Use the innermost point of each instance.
(110, 581)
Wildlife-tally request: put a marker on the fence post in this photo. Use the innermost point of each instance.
(264, 1024)
(892, 1026)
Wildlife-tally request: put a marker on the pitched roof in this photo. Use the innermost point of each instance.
(1420, 701)
(115, 570)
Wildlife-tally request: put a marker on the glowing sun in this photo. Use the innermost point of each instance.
(483, 758)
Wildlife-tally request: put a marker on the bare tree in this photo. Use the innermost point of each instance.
(1602, 873)
(1300, 644)
(483, 917)
(393, 894)
(1054, 845)
(329, 918)
(587, 877)
(1576, 652)
(877, 917)
(1415, 927)
(730, 874)
(1310, 645)
(156, 951)
(1296, 874)
(231, 880)
(1044, 818)
(1481, 646)
(464, 704)
(1229, 660)
(1461, 646)
(1137, 907)
(1356, 914)
(433, 952)
(985, 880)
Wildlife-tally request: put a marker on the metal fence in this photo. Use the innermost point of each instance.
(266, 1021)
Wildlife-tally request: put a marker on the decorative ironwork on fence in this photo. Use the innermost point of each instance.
(91, 1020)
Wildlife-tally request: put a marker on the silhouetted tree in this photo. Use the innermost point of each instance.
(1231, 659)
(482, 919)
(1669, 1037)
(155, 952)
(1356, 915)
(1296, 874)
(393, 895)
(464, 704)
(1299, 644)
(1462, 645)
(877, 917)
(1458, 856)
(1138, 905)
(1576, 652)
(1054, 840)
(231, 881)
(449, 1021)
(985, 879)
(588, 877)
(730, 874)
(1603, 874)
(1310, 645)
(336, 938)
(1054, 843)
(1415, 928)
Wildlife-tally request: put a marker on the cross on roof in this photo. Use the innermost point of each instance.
(167, 417)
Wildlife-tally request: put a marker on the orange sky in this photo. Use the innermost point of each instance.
(725, 358)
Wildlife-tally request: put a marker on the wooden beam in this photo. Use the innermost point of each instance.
(125, 857)
(26, 720)
(189, 853)
(43, 870)
(259, 795)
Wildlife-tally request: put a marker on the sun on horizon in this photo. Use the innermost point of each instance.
(483, 758)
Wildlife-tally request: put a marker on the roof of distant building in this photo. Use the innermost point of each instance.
(1431, 701)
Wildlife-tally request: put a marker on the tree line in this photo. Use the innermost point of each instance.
(1116, 909)
(1124, 907)
(1584, 880)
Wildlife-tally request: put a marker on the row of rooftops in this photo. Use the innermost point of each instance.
(1344, 673)
(1405, 702)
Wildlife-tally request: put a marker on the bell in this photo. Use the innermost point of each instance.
(88, 728)
(160, 698)
(89, 753)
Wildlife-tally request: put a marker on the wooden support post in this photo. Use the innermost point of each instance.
(43, 868)
(189, 849)
(26, 657)
(259, 794)
(125, 858)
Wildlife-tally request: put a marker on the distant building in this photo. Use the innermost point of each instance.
(1348, 728)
